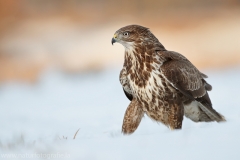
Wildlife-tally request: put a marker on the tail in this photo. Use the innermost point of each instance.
(206, 106)
(212, 114)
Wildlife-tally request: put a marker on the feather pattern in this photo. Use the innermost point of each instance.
(162, 84)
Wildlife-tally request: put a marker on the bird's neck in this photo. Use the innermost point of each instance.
(142, 58)
(142, 53)
(137, 62)
(134, 56)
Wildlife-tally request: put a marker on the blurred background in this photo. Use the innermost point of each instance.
(74, 35)
(59, 72)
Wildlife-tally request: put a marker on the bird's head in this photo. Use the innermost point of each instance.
(129, 35)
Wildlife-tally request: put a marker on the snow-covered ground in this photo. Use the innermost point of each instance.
(40, 121)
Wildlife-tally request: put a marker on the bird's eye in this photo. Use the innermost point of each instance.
(125, 33)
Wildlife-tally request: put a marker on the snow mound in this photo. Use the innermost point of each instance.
(39, 121)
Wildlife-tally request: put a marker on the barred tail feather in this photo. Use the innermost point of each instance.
(214, 115)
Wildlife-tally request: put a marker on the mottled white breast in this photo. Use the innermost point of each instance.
(151, 87)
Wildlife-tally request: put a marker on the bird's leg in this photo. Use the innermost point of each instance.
(132, 117)
(175, 116)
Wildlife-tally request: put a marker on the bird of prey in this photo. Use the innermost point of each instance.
(162, 84)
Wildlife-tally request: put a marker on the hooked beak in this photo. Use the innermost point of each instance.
(114, 38)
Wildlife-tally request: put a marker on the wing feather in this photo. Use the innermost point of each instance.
(125, 84)
(186, 78)
(183, 75)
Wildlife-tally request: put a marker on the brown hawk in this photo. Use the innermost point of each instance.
(163, 84)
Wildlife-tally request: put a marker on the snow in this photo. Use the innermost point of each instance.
(37, 118)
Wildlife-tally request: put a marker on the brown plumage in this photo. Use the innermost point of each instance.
(160, 83)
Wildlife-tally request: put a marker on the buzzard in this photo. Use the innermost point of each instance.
(163, 84)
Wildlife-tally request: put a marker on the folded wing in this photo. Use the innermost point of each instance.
(186, 78)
